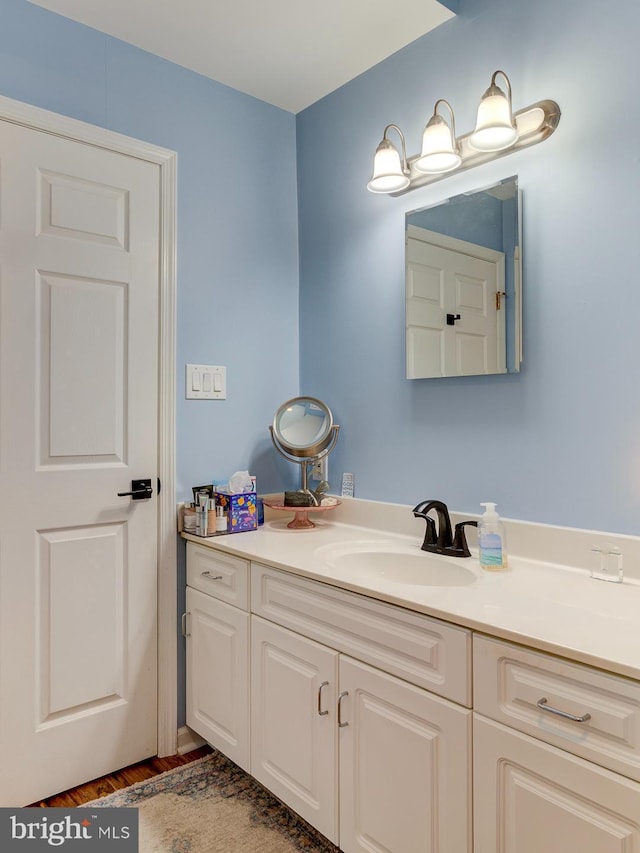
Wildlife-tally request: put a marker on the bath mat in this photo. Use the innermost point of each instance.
(212, 806)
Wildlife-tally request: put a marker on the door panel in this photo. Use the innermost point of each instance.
(83, 404)
(81, 594)
(74, 207)
(79, 284)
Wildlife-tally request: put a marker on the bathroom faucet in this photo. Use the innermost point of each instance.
(442, 540)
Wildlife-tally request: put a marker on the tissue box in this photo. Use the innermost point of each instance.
(241, 510)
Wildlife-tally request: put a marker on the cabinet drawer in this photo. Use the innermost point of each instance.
(510, 684)
(218, 574)
(417, 648)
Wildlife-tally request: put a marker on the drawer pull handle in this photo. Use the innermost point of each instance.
(542, 704)
(184, 624)
(341, 725)
(211, 577)
(321, 713)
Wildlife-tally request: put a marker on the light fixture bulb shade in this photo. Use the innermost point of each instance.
(495, 127)
(388, 175)
(439, 151)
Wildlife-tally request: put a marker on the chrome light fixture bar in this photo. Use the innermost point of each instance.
(498, 132)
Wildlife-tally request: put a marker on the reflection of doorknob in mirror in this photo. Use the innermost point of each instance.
(303, 432)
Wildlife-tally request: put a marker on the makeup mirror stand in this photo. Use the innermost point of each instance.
(305, 464)
(303, 432)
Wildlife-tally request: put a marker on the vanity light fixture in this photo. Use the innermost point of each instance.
(390, 174)
(495, 127)
(439, 147)
(498, 132)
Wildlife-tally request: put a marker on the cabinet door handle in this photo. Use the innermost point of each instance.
(542, 704)
(341, 725)
(211, 577)
(184, 624)
(321, 713)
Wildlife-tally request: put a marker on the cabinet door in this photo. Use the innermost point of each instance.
(293, 722)
(532, 797)
(405, 766)
(218, 675)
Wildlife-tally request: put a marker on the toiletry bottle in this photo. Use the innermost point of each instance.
(221, 520)
(203, 503)
(491, 539)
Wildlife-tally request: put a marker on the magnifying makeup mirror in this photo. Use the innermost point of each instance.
(303, 431)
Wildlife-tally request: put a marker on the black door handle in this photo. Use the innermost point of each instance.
(451, 319)
(141, 490)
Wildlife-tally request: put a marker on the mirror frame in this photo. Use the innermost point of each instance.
(304, 451)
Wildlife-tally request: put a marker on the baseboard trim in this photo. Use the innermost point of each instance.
(188, 740)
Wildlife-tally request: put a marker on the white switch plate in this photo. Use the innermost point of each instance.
(206, 382)
(320, 469)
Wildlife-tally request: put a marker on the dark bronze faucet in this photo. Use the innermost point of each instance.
(441, 539)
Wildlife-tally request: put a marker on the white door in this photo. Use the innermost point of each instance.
(455, 324)
(218, 674)
(405, 766)
(79, 261)
(531, 797)
(293, 722)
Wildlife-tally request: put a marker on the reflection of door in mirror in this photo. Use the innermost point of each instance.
(463, 285)
(454, 313)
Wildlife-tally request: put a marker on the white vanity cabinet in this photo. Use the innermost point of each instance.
(293, 722)
(405, 781)
(556, 754)
(334, 736)
(369, 720)
(217, 641)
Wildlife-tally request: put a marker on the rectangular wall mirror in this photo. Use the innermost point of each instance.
(463, 284)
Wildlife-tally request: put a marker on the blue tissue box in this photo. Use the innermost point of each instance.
(241, 510)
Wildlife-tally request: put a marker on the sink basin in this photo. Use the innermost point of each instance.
(397, 563)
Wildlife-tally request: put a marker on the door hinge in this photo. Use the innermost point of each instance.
(499, 295)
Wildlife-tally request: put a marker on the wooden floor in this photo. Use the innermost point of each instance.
(120, 779)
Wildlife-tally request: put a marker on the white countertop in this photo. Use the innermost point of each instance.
(553, 608)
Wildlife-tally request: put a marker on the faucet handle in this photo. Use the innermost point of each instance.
(430, 534)
(460, 540)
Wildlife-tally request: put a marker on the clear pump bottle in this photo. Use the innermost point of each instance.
(491, 540)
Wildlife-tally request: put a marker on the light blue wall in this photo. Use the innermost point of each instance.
(237, 220)
(476, 218)
(237, 228)
(559, 442)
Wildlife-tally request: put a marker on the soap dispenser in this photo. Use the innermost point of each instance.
(491, 540)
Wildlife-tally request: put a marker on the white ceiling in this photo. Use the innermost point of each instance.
(289, 53)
